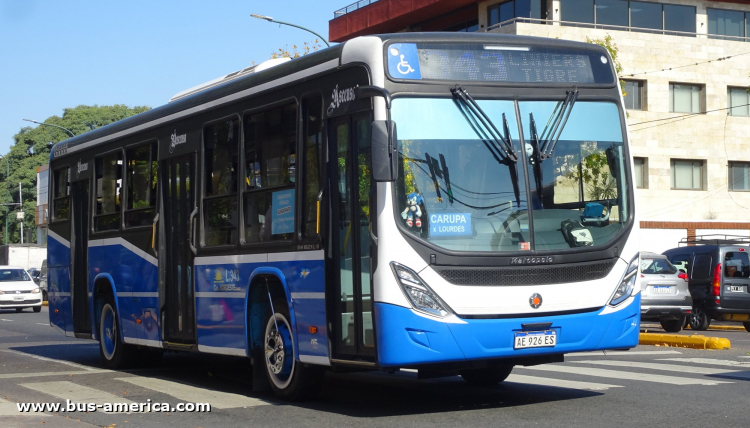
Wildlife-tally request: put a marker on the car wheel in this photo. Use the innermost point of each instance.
(699, 319)
(289, 379)
(487, 376)
(19, 309)
(37, 309)
(672, 326)
(114, 353)
(747, 325)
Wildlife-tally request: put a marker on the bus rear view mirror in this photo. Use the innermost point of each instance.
(384, 154)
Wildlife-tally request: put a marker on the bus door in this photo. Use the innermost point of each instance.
(176, 255)
(349, 255)
(79, 244)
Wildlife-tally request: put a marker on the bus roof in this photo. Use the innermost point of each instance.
(212, 93)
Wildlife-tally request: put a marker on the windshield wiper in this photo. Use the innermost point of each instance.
(500, 146)
(544, 146)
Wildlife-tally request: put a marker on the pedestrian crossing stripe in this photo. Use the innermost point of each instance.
(76, 393)
(710, 361)
(668, 367)
(559, 383)
(194, 394)
(613, 374)
(618, 353)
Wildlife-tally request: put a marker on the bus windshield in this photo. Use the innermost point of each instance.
(455, 192)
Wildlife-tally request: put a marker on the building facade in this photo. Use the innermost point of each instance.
(686, 71)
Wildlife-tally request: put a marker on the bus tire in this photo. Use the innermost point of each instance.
(488, 376)
(113, 352)
(699, 320)
(289, 379)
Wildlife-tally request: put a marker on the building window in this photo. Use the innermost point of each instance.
(470, 26)
(634, 90)
(220, 166)
(141, 171)
(739, 176)
(108, 192)
(645, 16)
(612, 12)
(641, 172)
(508, 10)
(640, 15)
(679, 18)
(685, 98)
(727, 24)
(737, 101)
(687, 174)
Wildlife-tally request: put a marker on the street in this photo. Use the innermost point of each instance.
(646, 386)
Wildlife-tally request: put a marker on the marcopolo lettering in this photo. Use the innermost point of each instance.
(176, 140)
(339, 97)
(531, 260)
(81, 167)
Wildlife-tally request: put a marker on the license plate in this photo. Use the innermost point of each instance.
(535, 339)
(737, 288)
(662, 289)
(18, 298)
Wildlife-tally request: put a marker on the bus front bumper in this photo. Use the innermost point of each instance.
(407, 338)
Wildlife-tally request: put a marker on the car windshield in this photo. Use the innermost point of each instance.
(657, 266)
(456, 189)
(7, 275)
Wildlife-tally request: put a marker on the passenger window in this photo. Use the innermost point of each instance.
(702, 269)
(736, 265)
(108, 192)
(141, 183)
(61, 194)
(220, 165)
(270, 174)
(313, 162)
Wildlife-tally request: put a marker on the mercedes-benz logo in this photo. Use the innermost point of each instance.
(535, 300)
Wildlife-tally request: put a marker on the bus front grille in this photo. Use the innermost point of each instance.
(532, 275)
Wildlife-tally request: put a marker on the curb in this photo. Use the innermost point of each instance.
(695, 341)
(45, 303)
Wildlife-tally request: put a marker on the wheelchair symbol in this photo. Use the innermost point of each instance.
(403, 67)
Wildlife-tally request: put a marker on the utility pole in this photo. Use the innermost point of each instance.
(20, 211)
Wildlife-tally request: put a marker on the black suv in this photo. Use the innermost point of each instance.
(718, 277)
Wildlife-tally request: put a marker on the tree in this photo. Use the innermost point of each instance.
(31, 149)
(295, 53)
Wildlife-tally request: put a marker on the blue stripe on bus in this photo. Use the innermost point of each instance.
(406, 338)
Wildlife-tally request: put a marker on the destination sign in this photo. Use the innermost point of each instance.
(497, 63)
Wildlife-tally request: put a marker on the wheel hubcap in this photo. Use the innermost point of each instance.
(279, 351)
(108, 332)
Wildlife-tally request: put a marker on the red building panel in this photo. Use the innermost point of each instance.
(387, 16)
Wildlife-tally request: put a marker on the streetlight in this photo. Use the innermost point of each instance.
(7, 194)
(269, 19)
(49, 124)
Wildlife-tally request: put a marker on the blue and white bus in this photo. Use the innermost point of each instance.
(451, 203)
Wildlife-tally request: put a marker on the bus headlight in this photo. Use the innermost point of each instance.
(627, 282)
(420, 294)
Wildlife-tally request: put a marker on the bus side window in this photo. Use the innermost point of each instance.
(61, 194)
(270, 169)
(141, 173)
(220, 165)
(108, 172)
(312, 143)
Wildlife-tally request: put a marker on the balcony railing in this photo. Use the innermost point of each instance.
(613, 27)
(352, 7)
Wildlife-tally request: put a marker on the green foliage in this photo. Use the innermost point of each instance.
(608, 44)
(31, 149)
(598, 183)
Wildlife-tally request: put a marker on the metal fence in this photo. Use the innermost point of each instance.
(352, 7)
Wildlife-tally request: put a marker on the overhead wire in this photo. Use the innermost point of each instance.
(724, 58)
(681, 117)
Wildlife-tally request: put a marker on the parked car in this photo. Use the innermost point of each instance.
(34, 274)
(43, 280)
(719, 280)
(664, 292)
(18, 291)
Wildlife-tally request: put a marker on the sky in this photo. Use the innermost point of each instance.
(60, 54)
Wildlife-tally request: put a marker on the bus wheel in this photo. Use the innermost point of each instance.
(487, 376)
(289, 379)
(698, 318)
(112, 350)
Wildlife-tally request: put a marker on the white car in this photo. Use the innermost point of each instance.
(18, 290)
